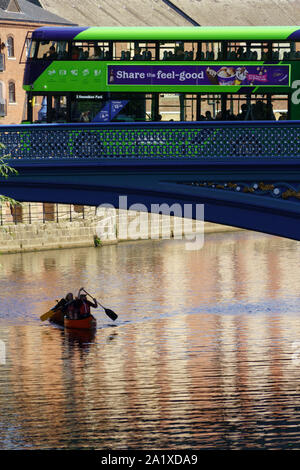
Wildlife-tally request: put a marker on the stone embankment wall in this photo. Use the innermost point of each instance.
(97, 229)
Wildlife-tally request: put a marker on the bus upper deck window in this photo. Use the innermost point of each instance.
(62, 50)
(246, 50)
(288, 51)
(90, 50)
(49, 50)
(32, 49)
(143, 51)
(43, 48)
(178, 50)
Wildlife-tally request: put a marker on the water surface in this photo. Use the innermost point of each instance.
(204, 354)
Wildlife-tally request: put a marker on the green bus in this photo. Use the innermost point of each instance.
(104, 74)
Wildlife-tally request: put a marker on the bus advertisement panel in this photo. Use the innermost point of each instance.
(199, 75)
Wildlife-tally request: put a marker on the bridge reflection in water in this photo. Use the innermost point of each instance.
(246, 173)
(204, 353)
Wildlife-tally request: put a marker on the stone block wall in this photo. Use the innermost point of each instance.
(67, 228)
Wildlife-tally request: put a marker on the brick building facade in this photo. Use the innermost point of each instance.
(17, 18)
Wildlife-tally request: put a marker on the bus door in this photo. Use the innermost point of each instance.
(56, 108)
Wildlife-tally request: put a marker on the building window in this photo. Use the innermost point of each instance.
(2, 102)
(11, 92)
(10, 47)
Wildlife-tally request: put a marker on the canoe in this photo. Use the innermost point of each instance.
(83, 324)
(57, 317)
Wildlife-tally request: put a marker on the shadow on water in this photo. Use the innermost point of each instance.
(81, 338)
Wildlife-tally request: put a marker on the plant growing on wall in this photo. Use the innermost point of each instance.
(5, 171)
(97, 241)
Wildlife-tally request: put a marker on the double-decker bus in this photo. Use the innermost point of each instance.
(103, 74)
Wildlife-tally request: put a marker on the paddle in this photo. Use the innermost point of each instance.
(49, 314)
(112, 315)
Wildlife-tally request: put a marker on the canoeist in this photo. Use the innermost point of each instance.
(61, 304)
(85, 305)
(69, 297)
(64, 307)
(70, 308)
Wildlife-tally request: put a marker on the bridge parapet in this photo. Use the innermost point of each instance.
(165, 140)
(246, 174)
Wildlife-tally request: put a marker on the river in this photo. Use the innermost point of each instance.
(205, 353)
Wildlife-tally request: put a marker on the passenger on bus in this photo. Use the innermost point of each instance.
(242, 116)
(208, 116)
(51, 54)
(179, 53)
(262, 111)
(229, 116)
(283, 117)
(199, 55)
(75, 53)
(137, 54)
(240, 53)
(270, 114)
(85, 116)
(258, 111)
(81, 54)
(98, 53)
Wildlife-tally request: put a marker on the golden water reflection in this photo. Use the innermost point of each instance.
(203, 355)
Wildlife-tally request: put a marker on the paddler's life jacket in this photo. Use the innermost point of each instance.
(85, 309)
(71, 307)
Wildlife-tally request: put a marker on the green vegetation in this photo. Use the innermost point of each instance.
(5, 171)
(97, 241)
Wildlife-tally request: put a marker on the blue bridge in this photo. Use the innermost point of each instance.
(247, 174)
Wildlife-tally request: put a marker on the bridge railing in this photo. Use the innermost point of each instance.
(31, 213)
(163, 140)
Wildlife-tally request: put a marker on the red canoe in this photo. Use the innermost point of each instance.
(57, 318)
(88, 323)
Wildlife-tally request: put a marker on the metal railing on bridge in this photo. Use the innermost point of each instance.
(30, 213)
(164, 140)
